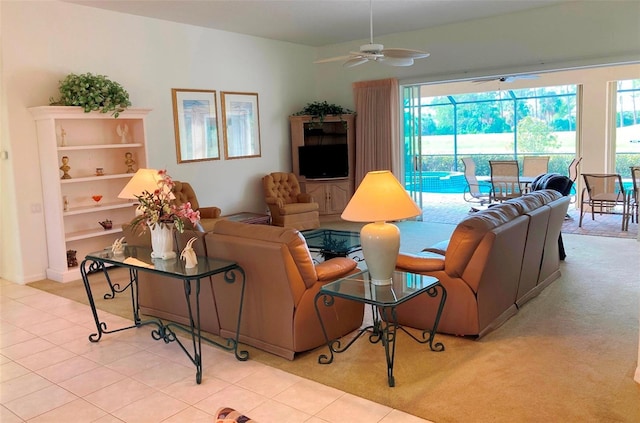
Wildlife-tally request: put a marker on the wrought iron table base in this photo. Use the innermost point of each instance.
(384, 329)
(164, 331)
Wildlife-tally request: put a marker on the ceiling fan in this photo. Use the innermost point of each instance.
(507, 79)
(377, 53)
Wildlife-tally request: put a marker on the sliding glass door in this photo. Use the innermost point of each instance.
(492, 125)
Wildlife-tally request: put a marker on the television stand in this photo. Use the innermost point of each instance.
(332, 195)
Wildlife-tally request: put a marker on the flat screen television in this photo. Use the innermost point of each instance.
(323, 161)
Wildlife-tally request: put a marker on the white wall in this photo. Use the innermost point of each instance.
(44, 41)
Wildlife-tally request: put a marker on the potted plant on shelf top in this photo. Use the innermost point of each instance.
(319, 110)
(92, 92)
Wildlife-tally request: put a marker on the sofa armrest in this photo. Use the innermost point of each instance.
(209, 212)
(334, 268)
(425, 262)
(439, 248)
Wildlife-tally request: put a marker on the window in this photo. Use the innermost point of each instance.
(627, 127)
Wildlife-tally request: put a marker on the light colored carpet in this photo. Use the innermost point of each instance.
(568, 355)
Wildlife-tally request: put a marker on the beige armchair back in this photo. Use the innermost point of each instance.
(289, 206)
(208, 215)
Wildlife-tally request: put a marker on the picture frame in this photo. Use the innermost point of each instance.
(196, 125)
(241, 125)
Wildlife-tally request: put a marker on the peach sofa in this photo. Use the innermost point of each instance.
(282, 280)
(495, 261)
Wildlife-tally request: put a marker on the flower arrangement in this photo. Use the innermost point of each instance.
(158, 208)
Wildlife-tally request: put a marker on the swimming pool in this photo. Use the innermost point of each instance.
(443, 182)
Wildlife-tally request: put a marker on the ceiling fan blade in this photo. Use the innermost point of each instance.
(404, 53)
(355, 61)
(332, 59)
(507, 79)
(396, 61)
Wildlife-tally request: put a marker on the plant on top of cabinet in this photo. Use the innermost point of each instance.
(318, 110)
(92, 92)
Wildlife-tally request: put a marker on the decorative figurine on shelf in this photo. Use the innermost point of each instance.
(128, 160)
(189, 255)
(65, 203)
(99, 171)
(63, 141)
(117, 248)
(106, 224)
(65, 168)
(123, 131)
(71, 258)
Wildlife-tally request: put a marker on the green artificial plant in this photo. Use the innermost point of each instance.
(318, 110)
(92, 92)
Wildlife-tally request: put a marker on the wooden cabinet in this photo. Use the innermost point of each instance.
(323, 159)
(102, 153)
(332, 196)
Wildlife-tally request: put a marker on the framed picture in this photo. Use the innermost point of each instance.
(241, 125)
(196, 125)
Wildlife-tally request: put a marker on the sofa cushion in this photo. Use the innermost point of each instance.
(295, 208)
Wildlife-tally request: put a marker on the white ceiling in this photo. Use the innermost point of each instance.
(316, 22)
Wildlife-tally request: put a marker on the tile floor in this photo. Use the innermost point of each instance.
(50, 372)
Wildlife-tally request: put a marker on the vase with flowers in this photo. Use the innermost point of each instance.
(158, 212)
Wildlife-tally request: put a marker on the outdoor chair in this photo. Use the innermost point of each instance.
(633, 196)
(573, 175)
(505, 180)
(604, 194)
(535, 165)
(475, 191)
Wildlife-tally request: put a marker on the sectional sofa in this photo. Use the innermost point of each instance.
(496, 260)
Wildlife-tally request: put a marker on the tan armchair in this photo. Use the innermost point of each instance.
(278, 313)
(208, 215)
(288, 205)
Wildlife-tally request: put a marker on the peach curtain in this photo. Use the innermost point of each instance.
(377, 127)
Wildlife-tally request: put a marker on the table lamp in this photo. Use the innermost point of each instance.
(380, 198)
(143, 180)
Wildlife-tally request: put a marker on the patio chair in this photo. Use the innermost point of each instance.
(475, 191)
(633, 196)
(573, 175)
(505, 180)
(604, 194)
(535, 165)
(573, 168)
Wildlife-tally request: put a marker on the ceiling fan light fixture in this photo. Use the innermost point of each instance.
(396, 61)
(371, 48)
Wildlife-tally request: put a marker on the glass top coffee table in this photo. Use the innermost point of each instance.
(332, 242)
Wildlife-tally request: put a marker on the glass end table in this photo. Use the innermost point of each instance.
(383, 300)
(138, 259)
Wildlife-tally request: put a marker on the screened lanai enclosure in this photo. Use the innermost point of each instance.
(506, 124)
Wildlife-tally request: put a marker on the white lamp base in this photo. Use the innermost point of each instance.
(380, 246)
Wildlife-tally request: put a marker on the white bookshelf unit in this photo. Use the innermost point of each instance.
(90, 141)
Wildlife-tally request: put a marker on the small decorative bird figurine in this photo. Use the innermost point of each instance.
(189, 255)
(117, 248)
(123, 131)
